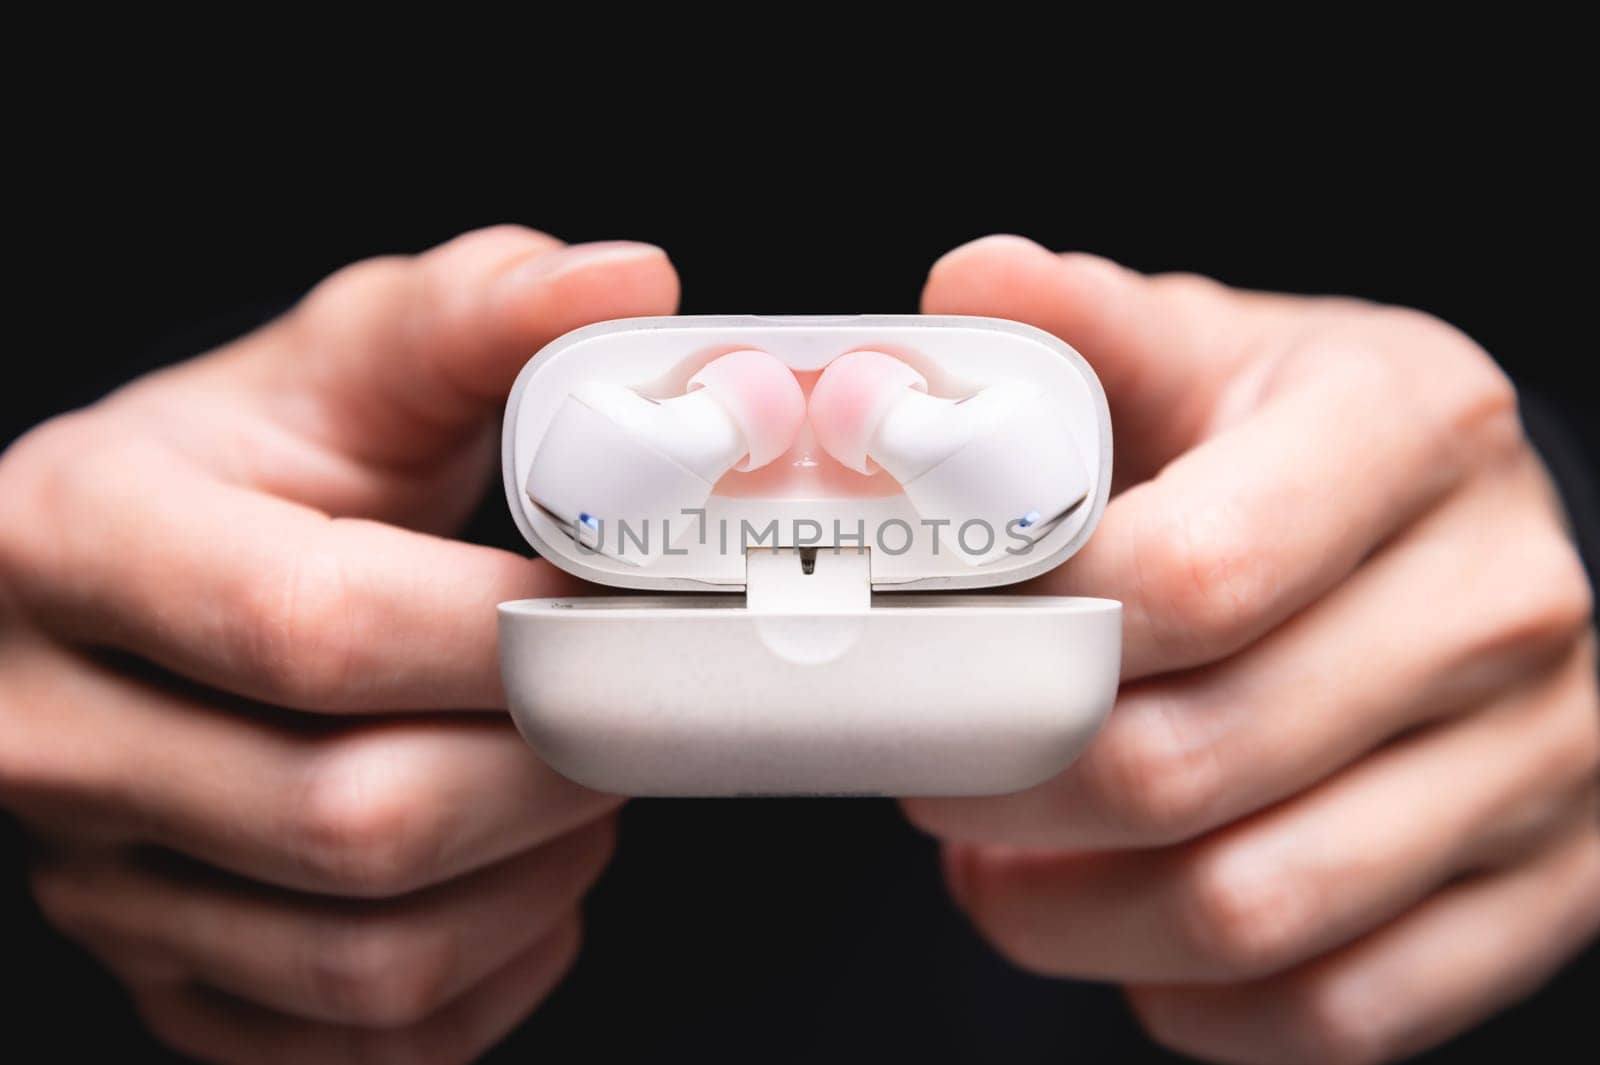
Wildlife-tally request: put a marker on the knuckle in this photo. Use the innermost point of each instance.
(1147, 779)
(1562, 610)
(30, 476)
(988, 905)
(1163, 1020)
(47, 777)
(1241, 917)
(60, 903)
(1577, 750)
(170, 1024)
(502, 229)
(1191, 288)
(1571, 610)
(1428, 372)
(1477, 401)
(566, 943)
(600, 849)
(388, 1047)
(1010, 938)
(357, 281)
(495, 237)
(1553, 606)
(1484, 409)
(1334, 1026)
(379, 972)
(361, 827)
(293, 637)
(343, 309)
(20, 767)
(1351, 367)
(1203, 578)
(1418, 331)
(16, 499)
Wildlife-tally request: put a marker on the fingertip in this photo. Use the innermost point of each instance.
(446, 332)
(986, 276)
(993, 244)
(1008, 276)
(552, 293)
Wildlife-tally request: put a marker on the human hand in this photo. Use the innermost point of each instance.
(1346, 803)
(267, 525)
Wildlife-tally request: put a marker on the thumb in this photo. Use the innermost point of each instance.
(394, 360)
(1163, 347)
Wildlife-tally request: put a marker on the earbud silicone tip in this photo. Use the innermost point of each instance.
(850, 398)
(762, 395)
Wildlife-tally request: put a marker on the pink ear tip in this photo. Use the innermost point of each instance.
(849, 400)
(764, 397)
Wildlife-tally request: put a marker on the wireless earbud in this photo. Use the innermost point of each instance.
(1003, 457)
(619, 468)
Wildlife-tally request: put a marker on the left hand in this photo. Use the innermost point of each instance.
(250, 711)
(1345, 806)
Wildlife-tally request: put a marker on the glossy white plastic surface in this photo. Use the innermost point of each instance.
(855, 671)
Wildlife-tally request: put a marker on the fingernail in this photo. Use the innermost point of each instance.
(578, 257)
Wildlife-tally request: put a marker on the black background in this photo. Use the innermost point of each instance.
(812, 930)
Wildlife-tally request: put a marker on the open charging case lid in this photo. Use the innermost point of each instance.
(806, 632)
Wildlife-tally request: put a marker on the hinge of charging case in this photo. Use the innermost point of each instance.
(808, 580)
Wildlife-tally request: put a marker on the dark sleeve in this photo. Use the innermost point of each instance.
(1573, 464)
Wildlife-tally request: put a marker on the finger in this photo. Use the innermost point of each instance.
(375, 397)
(393, 359)
(1164, 348)
(1309, 875)
(220, 1028)
(372, 964)
(1453, 961)
(1274, 480)
(376, 810)
(1471, 600)
(262, 597)
(1260, 520)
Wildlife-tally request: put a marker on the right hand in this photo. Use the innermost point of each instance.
(248, 685)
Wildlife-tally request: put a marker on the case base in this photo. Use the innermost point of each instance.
(920, 694)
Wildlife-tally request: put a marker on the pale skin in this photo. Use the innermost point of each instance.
(1345, 806)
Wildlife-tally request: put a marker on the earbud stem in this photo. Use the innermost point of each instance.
(695, 430)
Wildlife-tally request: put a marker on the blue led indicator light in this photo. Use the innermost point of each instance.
(1030, 518)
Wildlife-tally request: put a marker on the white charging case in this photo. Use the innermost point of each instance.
(833, 655)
